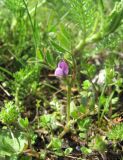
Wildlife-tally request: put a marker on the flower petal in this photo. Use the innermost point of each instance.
(59, 72)
(64, 66)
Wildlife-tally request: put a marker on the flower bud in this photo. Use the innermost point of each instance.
(62, 69)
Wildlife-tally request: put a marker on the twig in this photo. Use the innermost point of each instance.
(7, 93)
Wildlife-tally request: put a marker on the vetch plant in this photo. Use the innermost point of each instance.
(90, 17)
(62, 71)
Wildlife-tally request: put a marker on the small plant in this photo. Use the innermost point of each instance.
(116, 132)
(62, 72)
(10, 147)
(9, 113)
(25, 81)
(27, 131)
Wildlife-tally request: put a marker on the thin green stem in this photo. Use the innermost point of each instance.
(6, 71)
(29, 137)
(33, 28)
(101, 11)
(49, 145)
(93, 85)
(33, 9)
(95, 24)
(80, 46)
(68, 102)
(17, 58)
(17, 98)
(67, 126)
(99, 106)
(106, 105)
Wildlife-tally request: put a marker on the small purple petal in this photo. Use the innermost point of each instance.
(59, 72)
(64, 66)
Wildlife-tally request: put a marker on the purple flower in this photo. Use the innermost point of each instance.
(62, 69)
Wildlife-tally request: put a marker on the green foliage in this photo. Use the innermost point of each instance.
(84, 124)
(86, 85)
(9, 113)
(116, 132)
(11, 147)
(99, 144)
(2, 77)
(31, 43)
(82, 11)
(73, 110)
(86, 150)
(68, 151)
(42, 155)
(115, 17)
(99, 26)
(56, 144)
(25, 82)
(14, 6)
(112, 41)
(48, 121)
(24, 123)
